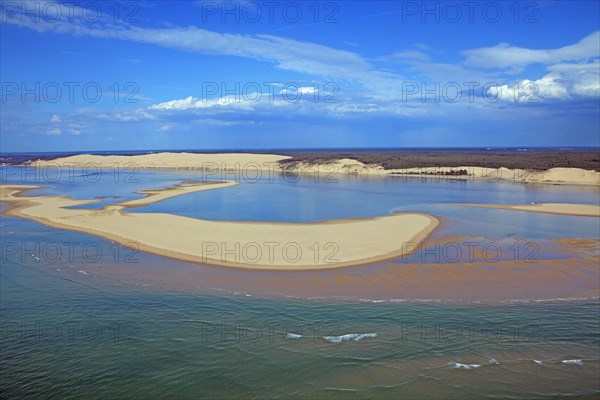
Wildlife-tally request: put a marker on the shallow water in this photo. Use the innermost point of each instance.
(99, 321)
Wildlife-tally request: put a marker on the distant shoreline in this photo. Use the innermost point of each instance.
(324, 166)
(533, 158)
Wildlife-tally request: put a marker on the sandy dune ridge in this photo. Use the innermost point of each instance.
(240, 162)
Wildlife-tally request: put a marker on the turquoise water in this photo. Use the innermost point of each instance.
(83, 325)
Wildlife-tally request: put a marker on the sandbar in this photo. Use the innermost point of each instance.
(257, 245)
(584, 210)
(153, 196)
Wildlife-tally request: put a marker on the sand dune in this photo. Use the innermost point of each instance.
(549, 208)
(288, 246)
(241, 162)
(555, 175)
(167, 160)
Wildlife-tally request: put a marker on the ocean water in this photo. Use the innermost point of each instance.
(82, 317)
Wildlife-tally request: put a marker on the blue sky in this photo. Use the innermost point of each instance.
(264, 74)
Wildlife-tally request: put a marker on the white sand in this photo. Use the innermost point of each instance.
(549, 208)
(286, 246)
(240, 162)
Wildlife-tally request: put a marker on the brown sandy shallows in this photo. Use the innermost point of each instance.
(584, 210)
(255, 245)
(389, 282)
(243, 162)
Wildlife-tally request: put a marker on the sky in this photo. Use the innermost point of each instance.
(147, 75)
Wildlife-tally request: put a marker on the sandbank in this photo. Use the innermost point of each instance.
(584, 210)
(153, 196)
(257, 245)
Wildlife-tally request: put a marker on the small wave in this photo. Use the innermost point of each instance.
(349, 336)
(82, 272)
(566, 299)
(573, 362)
(538, 362)
(464, 366)
(294, 336)
(494, 361)
(371, 301)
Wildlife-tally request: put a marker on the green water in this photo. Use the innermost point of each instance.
(80, 339)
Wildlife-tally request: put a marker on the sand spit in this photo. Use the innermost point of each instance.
(585, 210)
(255, 245)
(153, 196)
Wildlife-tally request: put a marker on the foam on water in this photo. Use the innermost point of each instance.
(573, 362)
(349, 336)
(464, 366)
(294, 336)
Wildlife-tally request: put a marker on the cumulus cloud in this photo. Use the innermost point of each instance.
(55, 119)
(564, 82)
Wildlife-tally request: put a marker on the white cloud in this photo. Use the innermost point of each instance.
(230, 101)
(287, 54)
(504, 55)
(54, 131)
(298, 90)
(564, 82)
(409, 55)
(126, 116)
(55, 119)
